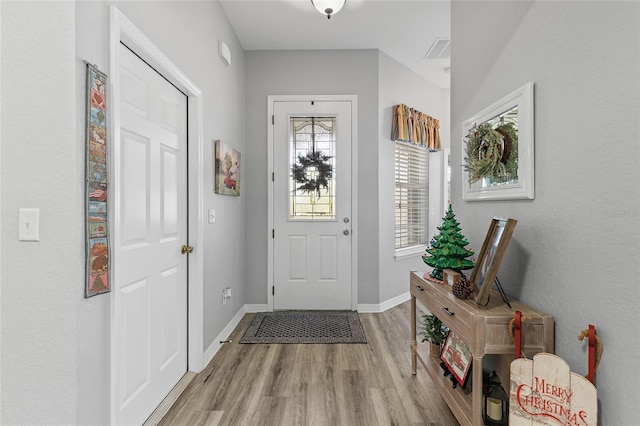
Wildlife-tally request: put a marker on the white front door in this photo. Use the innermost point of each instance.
(312, 223)
(150, 286)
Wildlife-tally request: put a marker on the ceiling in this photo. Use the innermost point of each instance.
(404, 30)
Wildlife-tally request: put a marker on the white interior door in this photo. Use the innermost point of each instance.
(312, 229)
(150, 286)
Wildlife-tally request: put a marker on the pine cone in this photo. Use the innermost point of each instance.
(463, 289)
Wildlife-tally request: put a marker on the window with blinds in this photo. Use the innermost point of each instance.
(412, 195)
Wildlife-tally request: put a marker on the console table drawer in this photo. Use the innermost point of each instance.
(450, 313)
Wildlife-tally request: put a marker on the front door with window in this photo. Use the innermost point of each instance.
(312, 240)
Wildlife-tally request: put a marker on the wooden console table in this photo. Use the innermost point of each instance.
(484, 329)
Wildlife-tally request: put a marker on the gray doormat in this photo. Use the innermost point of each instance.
(305, 327)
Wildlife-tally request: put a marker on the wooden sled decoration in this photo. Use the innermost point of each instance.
(545, 392)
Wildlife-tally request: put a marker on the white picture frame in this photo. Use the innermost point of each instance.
(520, 100)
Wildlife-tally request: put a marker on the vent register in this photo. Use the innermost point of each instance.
(440, 49)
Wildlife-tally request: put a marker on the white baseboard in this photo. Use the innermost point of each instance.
(387, 304)
(368, 308)
(214, 347)
(256, 308)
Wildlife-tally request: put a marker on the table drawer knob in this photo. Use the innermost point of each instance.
(419, 288)
(448, 312)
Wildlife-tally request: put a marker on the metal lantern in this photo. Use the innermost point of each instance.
(495, 405)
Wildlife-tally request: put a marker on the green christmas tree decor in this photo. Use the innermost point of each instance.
(447, 250)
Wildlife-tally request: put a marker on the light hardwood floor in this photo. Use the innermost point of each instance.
(359, 384)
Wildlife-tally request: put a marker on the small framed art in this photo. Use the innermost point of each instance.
(491, 254)
(227, 170)
(458, 358)
(450, 277)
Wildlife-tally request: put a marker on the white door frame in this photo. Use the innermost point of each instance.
(122, 29)
(354, 185)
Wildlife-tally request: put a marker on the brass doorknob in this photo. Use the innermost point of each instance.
(186, 249)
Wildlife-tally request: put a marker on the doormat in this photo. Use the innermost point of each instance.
(305, 327)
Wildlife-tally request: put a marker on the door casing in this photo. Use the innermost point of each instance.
(354, 185)
(123, 30)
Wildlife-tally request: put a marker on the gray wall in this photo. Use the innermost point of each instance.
(345, 72)
(41, 281)
(575, 252)
(56, 344)
(398, 84)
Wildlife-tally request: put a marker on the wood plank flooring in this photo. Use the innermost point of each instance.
(340, 384)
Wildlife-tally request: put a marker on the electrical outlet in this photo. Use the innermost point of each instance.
(226, 295)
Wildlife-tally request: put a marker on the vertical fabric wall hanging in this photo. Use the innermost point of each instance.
(97, 237)
(413, 126)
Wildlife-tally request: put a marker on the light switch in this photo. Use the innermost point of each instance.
(212, 215)
(29, 224)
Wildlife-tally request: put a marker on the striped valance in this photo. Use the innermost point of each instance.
(413, 126)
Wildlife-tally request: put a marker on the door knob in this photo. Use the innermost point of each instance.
(186, 249)
(346, 232)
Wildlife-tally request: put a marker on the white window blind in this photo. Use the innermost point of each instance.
(412, 195)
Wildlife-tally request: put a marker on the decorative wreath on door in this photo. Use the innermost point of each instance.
(313, 172)
(492, 153)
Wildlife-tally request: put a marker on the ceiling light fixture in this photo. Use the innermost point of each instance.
(328, 7)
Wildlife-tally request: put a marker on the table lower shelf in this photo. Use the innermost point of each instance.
(458, 399)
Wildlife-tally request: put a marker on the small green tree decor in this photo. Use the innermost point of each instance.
(433, 329)
(447, 249)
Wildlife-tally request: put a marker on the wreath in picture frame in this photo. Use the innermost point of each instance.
(492, 152)
(319, 178)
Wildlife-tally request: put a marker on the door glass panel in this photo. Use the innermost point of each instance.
(312, 149)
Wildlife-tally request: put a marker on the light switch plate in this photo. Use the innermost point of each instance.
(212, 215)
(29, 224)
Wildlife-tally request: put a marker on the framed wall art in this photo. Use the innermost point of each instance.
(498, 149)
(227, 170)
(97, 279)
(490, 256)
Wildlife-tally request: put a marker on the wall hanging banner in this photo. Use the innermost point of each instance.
(413, 126)
(97, 237)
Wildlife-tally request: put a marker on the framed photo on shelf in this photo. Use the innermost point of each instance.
(450, 277)
(490, 256)
(458, 358)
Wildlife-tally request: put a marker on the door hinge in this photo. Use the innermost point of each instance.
(273, 233)
(273, 290)
(273, 119)
(273, 176)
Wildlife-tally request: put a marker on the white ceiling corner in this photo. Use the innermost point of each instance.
(403, 29)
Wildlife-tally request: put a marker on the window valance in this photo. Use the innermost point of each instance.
(413, 126)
